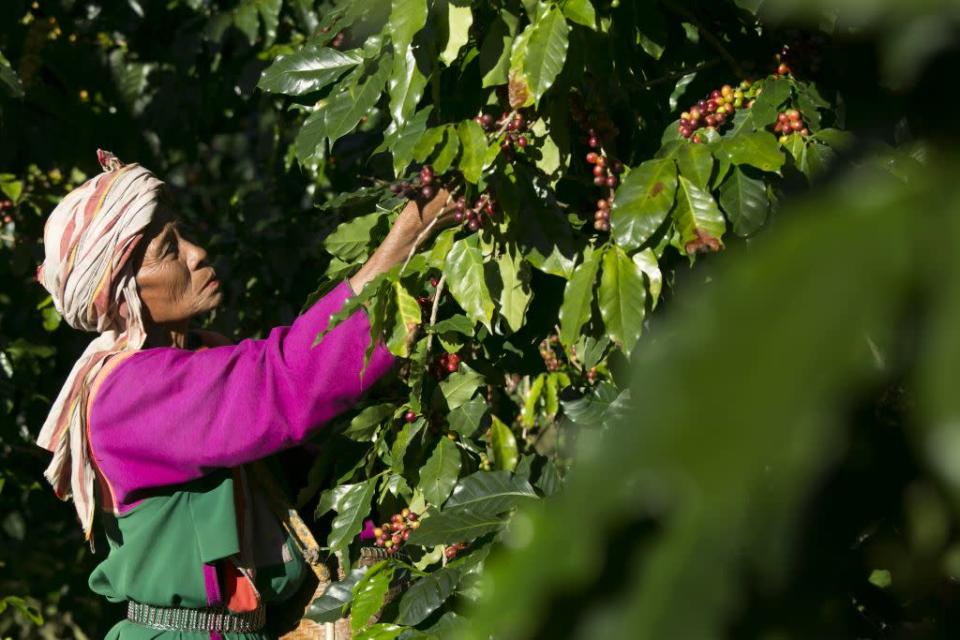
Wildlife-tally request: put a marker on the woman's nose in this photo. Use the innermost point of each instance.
(198, 256)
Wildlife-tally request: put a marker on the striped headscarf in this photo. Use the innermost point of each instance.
(88, 241)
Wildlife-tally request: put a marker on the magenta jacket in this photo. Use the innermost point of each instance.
(165, 416)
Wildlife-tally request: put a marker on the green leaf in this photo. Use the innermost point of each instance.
(402, 441)
(352, 506)
(647, 262)
(504, 445)
(459, 20)
(403, 141)
(448, 150)
(364, 423)
(310, 68)
(490, 493)
(496, 47)
(407, 17)
(467, 418)
(439, 475)
(458, 323)
(427, 595)
(465, 277)
(546, 52)
(351, 239)
(578, 297)
(591, 410)
(759, 149)
(459, 525)
(474, 143)
(406, 321)
(581, 12)
(369, 593)
(767, 105)
(698, 218)
(696, 163)
(516, 294)
(529, 413)
(460, 386)
(428, 142)
(643, 202)
(745, 201)
(344, 110)
(622, 297)
(405, 86)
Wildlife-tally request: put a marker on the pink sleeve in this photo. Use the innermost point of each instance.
(166, 416)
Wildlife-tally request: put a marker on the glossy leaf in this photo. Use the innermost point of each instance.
(759, 149)
(581, 12)
(744, 199)
(622, 297)
(460, 386)
(546, 52)
(439, 475)
(310, 68)
(490, 493)
(352, 506)
(504, 445)
(369, 594)
(698, 218)
(460, 18)
(427, 594)
(467, 418)
(473, 141)
(467, 281)
(646, 260)
(696, 163)
(344, 110)
(643, 202)
(578, 297)
(448, 527)
(515, 293)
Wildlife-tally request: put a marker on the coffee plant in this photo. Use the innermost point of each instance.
(580, 186)
(598, 154)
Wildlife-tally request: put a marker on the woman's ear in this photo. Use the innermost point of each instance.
(124, 310)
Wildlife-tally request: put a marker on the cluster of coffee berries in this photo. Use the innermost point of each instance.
(4, 206)
(789, 122)
(604, 175)
(452, 550)
(446, 363)
(548, 353)
(421, 186)
(391, 535)
(714, 110)
(592, 375)
(474, 217)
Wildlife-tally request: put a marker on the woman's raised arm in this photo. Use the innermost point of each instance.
(164, 416)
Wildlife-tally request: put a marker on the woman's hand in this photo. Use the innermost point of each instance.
(412, 227)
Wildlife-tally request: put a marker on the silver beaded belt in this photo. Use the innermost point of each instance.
(183, 619)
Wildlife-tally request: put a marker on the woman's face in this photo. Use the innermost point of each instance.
(175, 281)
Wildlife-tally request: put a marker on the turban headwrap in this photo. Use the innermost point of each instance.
(88, 240)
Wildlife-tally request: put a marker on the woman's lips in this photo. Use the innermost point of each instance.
(213, 283)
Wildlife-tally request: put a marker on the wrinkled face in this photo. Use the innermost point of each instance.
(175, 281)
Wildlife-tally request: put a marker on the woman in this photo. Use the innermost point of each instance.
(163, 418)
